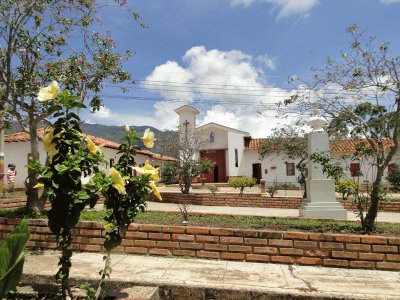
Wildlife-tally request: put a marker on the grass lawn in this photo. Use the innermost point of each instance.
(239, 222)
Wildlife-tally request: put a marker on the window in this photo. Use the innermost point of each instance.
(111, 162)
(354, 169)
(290, 169)
(236, 158)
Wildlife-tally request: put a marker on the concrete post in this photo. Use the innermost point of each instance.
(321, 199)
(262, 186)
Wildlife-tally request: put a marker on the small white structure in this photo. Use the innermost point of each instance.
(17, 151)
(321, 200)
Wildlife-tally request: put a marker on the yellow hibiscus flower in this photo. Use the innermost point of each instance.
(92, 148)
(155, 190)
(39, 186)
(118, 183)
(148, 169)
(148, 138)
(49, 92)
(108, 227)
(48, 144)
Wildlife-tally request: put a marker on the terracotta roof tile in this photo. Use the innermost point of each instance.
(253, 144)
(349, 145)
(337, 146)
(24, 137)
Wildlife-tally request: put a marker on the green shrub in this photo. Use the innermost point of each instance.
(12, 256)
(394, 178)
(241, 183)
(213, 189)
(273, 189)
(287, 186)
(347, 187)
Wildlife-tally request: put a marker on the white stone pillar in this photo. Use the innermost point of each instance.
(321, 199)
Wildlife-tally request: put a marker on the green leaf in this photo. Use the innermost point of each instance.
(12, 258)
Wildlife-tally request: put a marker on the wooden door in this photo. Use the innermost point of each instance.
(218, 174)
(257, 172)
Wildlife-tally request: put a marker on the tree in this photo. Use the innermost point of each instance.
(43, 41)
(185, 145)
(359, 93)
(292, 143)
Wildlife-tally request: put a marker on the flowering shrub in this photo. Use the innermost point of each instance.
(73, 156)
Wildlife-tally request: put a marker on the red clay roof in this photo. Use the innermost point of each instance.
(24, 137)
(349, 145)
(253, 144)
(337, 146)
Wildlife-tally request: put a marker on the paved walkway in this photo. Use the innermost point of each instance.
(239, 277)
(391, 217)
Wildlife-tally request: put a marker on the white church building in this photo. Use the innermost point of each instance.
(236, 153)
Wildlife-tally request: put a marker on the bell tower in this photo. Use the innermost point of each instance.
(187, 119)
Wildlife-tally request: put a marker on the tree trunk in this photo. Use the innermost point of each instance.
(34, 204)
(370, 218)
(187, 187)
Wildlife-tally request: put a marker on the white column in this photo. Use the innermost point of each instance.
(321, 199)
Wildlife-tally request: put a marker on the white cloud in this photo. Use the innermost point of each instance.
(257, 125)
(245, 3)
(389, 1)
(225, 85)
(268, 62)
(108, 117)
(103, 113)
(286, 8)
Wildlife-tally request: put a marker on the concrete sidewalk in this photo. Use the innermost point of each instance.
(179, 278)
(383, 216)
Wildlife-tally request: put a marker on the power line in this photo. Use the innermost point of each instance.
(182, 100)
(158, 86)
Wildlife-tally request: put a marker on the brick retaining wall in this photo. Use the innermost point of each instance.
(234, 200)
(248, 200)
(256, 200)
(333, 250)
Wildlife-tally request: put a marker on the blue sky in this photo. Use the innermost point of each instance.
(225, 56)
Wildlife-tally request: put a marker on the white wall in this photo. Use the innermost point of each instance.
(276, 167)
(220, 138)
(189, 116)
(235, 141)
(273, 167)
(17, 153)
(367, 168)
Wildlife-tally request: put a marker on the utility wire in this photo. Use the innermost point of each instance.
(195, 88)
(180, 100)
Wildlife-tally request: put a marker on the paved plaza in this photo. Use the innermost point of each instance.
(276, 280)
